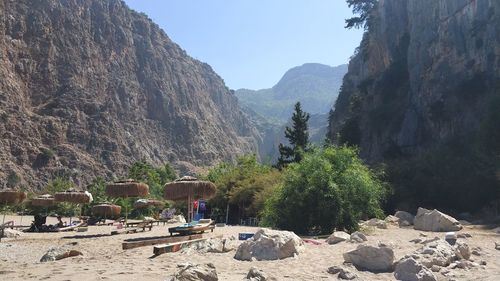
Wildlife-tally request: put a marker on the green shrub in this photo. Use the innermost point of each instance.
(329, 189)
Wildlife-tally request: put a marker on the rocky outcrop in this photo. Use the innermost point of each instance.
(269, 244)
(88, 87)
(434, 220)
(423, 85)
(422, 74)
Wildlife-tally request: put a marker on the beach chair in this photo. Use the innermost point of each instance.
(193, 227)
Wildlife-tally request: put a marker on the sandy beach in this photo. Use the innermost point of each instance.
(104, 259)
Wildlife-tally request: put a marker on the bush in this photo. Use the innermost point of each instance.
(329, 189)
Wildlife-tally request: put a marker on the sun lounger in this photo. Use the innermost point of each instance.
(140, 226)
(193, 227)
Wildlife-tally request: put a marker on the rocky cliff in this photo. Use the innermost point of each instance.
(89, 86)
(422, 93)
(425, 72)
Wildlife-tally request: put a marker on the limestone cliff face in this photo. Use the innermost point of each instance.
(426, 72)
(89, 86)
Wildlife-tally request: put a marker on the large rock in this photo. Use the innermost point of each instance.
(434, 220)
(195, 272)
(371, 258)
(213, 245)
(357, 237)
(405, 216)
(375, 223)
(269, 244)
(337, 237)
(59, 253)
(408, 269)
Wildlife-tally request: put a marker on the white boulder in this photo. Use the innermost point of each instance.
(434, 220)
(195, 272)
(269, 244)
(59, 253)
(10, 233)
(376, 223)
(371, 258)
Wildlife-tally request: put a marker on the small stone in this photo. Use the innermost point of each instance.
(435, 268)
(347, 274)
(482, 262)
(358, 237)
(334, 269)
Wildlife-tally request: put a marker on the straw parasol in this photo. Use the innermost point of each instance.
(106, 210)
(10, 197)
(45, 200)
(125, 189)
(73, 196)
(144, 203)
(188, 188)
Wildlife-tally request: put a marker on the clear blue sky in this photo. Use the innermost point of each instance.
(252, 43)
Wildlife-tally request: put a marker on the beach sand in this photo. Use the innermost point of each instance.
(104, 259)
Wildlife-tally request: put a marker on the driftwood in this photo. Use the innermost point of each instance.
(141, 242)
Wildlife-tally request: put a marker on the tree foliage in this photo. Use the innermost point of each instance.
(242, 186)
(155, 177)
(329, 189)
(298, 137)
(361, 8)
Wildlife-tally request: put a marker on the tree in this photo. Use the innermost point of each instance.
(154, 177)
(297, 136)
(363, 9)
(329, 189)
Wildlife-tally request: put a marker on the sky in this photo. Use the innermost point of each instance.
(252, 43)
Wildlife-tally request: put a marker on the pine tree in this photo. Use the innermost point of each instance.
(297, 136)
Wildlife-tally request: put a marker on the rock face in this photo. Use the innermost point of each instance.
(269, 244)
(88, 87)
(371, 258)
(195, 272)
(426, 75)
(337, 237)
(435, 74)
(434, 220)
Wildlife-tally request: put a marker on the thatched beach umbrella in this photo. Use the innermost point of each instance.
(106, 210)
(126, 189)
(45, 200)
(12, 198)
(73, 196)
(144, 203)
(188, 188)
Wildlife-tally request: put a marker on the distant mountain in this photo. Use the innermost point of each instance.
(315, 85)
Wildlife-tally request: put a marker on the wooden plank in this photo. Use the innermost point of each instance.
(135, 243)
(175, 247)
